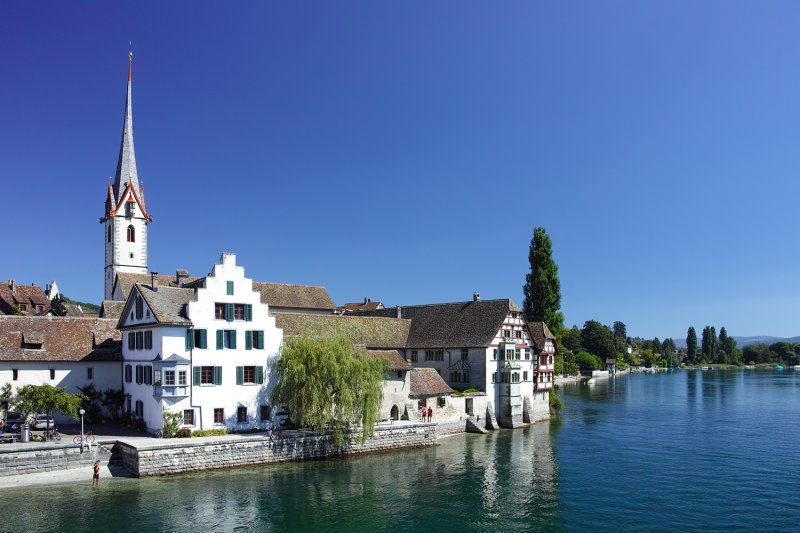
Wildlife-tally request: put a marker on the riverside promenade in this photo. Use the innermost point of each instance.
(128, 454)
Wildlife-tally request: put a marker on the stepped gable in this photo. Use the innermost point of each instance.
(168, 304)
(396, 361)
(371, 332)
(12, 295)
(539, 333)
(426, 382)
(452, 325)
(59, 339)
(285, 295)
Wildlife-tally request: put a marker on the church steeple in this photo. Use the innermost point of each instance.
(126, 164)
(126, 217)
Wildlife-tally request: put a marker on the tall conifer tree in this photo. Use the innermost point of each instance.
(691, 345)
(542, 287)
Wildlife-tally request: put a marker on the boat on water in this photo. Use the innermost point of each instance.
(704, 368)
(591, 381)
(796, 367)
(779, 368)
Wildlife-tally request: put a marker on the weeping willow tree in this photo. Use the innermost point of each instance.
(325, 383)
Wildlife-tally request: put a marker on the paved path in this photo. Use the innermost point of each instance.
(72, 476)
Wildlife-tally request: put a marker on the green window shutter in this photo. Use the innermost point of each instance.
(203, 340)
(196, 380)
(248, 340)
(259, 374)
(219, 339)
(229, 312)
(260, 337)
(248, 312)
(233, 339)
(217, 375)
(239, 375)
(229, 288)
(189, 339)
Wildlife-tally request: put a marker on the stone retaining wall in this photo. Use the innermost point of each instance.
(187, 455)
(30, 458)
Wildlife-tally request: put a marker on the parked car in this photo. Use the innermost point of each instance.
(13, 418)
(43, 422)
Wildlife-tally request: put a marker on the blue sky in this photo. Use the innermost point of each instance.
(405, 151)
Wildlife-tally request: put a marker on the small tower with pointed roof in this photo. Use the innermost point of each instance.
(126, 215)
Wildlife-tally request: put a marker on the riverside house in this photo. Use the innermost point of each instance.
(202, 351)
(59, 351)
(482, 344)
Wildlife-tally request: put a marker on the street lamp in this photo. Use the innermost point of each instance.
(82, 412)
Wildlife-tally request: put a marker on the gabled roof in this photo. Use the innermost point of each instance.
(396, 361)
(31, 295)
(452, 325)
(366, 305)
(62, 339)
(371, 332)
(111, 309)
(126, 280)
(426, 382)
(167, 304)
(284, 295)
(539, 333)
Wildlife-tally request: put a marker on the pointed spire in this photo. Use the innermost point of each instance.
(126, 164)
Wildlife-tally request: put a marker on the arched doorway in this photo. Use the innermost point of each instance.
(395, 414)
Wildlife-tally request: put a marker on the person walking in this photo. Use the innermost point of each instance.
(96, 474)
(422, 414)
(430, 414)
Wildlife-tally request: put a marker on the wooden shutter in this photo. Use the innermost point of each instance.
(196, 380)
(189, 339)
(233, 339)
(259, 340)
(259, 374)
(229, 288)
(248, 340)
(248, 312)
(203, 340)
(217, 375)
(239, 375)
(219, 339)
(229, 312)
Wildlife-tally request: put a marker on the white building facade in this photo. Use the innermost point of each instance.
(202, 351)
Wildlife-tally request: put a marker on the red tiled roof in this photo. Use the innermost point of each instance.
(61, 339)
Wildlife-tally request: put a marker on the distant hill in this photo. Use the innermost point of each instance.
(744, 341)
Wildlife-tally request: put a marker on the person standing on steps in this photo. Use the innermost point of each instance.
(96, 474)
(430, 414)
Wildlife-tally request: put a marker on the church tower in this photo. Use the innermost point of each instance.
(126, 215)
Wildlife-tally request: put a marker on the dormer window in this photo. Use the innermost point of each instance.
(23, 307)
(129, 208)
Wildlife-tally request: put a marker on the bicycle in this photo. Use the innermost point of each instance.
(52, 434)
(87, 438)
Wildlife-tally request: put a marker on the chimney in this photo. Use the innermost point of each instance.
(399, 312)
(365, 299)
(180, 277)
(12, 285)
(154, 281)
(476, 296)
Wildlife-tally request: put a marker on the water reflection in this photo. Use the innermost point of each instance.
(504, 480)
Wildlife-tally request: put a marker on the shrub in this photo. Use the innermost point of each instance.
(556, 404)
(172, 421)
(587, 361)
(473, 389)
(209, 432)
(183, 433)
